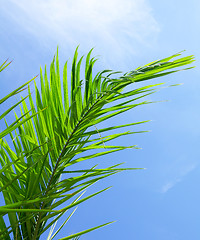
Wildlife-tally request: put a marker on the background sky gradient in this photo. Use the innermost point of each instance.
(161, 202)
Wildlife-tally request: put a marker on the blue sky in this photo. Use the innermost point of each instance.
(161, 202)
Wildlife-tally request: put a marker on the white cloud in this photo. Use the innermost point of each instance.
(166, 187)
(182, 173)
(113, 24)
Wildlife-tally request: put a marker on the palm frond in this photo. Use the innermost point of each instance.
(15, 124)
(47, 145)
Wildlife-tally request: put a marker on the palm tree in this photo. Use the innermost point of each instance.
(58, 133)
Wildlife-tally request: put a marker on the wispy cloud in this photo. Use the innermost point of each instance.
(113, 24)
(182, 173)
(166, 187)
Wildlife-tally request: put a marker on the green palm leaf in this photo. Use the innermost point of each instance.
(15, 124)
(59, 133)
